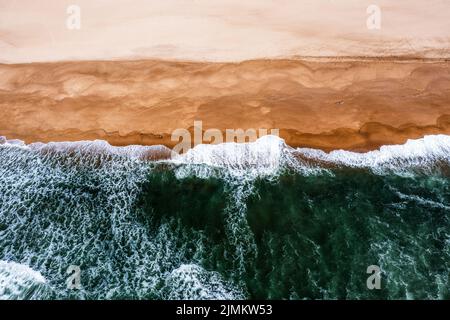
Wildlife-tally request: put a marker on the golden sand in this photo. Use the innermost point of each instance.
(353, 104)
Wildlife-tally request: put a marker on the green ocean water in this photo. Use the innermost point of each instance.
(284, 224)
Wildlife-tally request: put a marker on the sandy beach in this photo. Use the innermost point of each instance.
(312, 69)
(328, 103)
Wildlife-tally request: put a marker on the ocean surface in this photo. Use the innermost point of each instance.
(258, 220)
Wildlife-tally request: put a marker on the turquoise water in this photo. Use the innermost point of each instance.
(249, 221)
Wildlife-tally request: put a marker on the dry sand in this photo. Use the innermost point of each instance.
(220, 30)
(354, 104)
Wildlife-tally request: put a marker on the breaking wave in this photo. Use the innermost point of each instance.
(269, 154)
(422, 155)
(266, 156)
(192, 282)
(18, 282)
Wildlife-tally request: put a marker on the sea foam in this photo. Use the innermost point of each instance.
(190, 281)
(270, 154)
(420, 155)
(18, 281)
(265, 157)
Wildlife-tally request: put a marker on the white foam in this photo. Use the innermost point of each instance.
(18, 281)
(192, 282)
(11, 142)
(262, 157)
(102, 147)
(422, 201)
(266, 156)
(414, 154)
(95, 147)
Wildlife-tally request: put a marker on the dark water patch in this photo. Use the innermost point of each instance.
(316, 236)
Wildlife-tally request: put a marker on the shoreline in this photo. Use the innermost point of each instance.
(328, 104)
(370, 137)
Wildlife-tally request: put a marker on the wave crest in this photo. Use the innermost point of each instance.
(192, 282)
(18, 281)
(265, 157)
(424, 155)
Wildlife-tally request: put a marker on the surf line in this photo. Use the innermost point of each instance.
(186, 310)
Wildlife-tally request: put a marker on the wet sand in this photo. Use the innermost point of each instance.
(355, 104)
